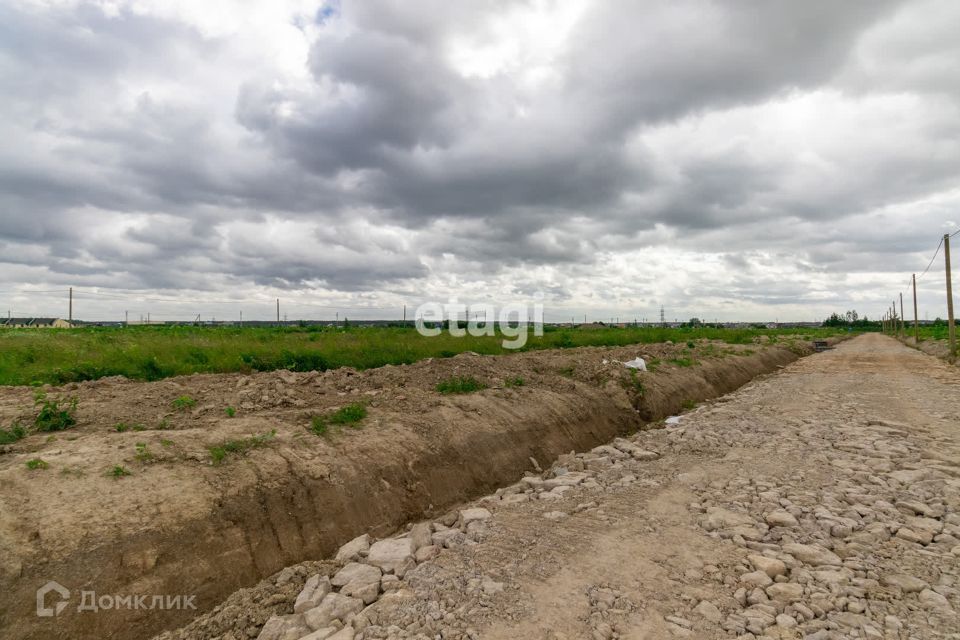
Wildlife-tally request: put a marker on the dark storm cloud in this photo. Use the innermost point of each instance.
(142, 145)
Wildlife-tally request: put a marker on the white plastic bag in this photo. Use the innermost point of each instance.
(636, 363)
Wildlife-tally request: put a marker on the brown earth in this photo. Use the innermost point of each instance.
(180, 525)
(822, 502)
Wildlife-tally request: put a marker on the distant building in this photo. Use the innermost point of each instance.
(30, 323)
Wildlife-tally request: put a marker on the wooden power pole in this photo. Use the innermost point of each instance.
(903, 331)
(916, 321)
(952, 329)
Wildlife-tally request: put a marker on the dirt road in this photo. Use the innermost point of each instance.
(820, 502)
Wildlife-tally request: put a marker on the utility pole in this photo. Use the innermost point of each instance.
(404, 315)
(950, 325)
(126, 317)
(903, 330)
(70, 317)
(916, 321)
(241, 317)
(278, 310)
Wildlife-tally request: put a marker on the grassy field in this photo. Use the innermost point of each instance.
(56, 356)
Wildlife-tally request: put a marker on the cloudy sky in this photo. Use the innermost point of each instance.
(731, 160)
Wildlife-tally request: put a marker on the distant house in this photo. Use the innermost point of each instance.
(39, 323)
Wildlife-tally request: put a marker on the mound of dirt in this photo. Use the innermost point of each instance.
(179, 524)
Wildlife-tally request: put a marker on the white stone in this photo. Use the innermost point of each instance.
(354, 549)
(313, 592)
(391, 554)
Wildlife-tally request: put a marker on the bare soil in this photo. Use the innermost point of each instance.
(180, 525)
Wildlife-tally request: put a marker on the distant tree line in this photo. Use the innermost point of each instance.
(850, 319)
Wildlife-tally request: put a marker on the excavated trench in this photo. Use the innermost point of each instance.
(280, 506)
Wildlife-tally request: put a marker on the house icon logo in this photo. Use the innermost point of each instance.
(43, 611)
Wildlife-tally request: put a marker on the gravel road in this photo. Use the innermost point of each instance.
(819, 502)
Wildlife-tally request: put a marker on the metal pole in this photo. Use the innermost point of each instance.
(916, 321)
(952, 328)
(70, 317)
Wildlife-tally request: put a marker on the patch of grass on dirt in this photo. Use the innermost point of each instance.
(681, 362)
(219, 453)
(567, 372)
(143, 454)
(118, 471)
(14, 433)
(230, 411)
(635, 382)
(510, 383)
(463, 384)
(183, 403)
(37, 463)
(689, 404)
(350, 415)
(121, 427)
(55, 414)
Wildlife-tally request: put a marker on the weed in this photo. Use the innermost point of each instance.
(166, 443)
(681, 362)
(636, 382)
(348, 415)
(121, 427)
(183, 403)
(230, 411)
(567, 372)
(513, 382)
(689, 404)
(55, 415)
(118, 471)
(37, 463)
(460, 385)
(143, 454)
(11, 435)
(691, 344)
(219, 453)
(318, 425)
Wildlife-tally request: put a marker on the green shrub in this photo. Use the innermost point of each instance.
(513, 382)
(230, 411)
(37, 463)
(56, 414)
(460, 385)
(11, 435)
(183, 403)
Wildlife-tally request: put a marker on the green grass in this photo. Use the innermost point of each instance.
(143, 454)
(58, 356)
(230, 411)
(682, 362)
(118, 471)
(465, 384)
(352, 415)
(13, 434)
(220, 452)
(510, 383)
(37, 463)
(55, 414)
(183, 403)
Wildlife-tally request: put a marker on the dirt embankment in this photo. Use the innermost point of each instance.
(180, 525)
(938, 348)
